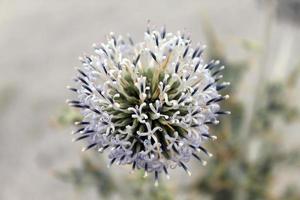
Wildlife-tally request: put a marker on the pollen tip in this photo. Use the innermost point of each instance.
(204, 163)
(145, 174)
(216, 122)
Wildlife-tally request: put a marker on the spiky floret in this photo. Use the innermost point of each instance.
(149, 104)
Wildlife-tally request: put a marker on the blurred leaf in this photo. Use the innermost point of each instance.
(294, 76)
(68, 116)
(143, 188)
(89, 174)
(251, 45)
(291, 193)
(7, 95)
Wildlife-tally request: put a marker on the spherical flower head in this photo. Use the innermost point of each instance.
(148, 104)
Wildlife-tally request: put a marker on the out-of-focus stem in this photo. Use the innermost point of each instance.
(259, 84)
(257, 95)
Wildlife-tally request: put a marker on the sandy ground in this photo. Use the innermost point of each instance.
(39, 45)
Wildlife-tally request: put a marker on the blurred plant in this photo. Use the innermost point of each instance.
(245, 163)
(68, 116)
(89, 174)
(142, 188)
(92, 174)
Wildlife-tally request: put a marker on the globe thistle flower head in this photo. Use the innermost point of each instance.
(148, 104)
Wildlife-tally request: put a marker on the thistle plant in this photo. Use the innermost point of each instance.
(148, 104)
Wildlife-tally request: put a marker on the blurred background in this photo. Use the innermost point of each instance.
(257, 153)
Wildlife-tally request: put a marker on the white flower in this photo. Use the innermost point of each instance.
(149, 104)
